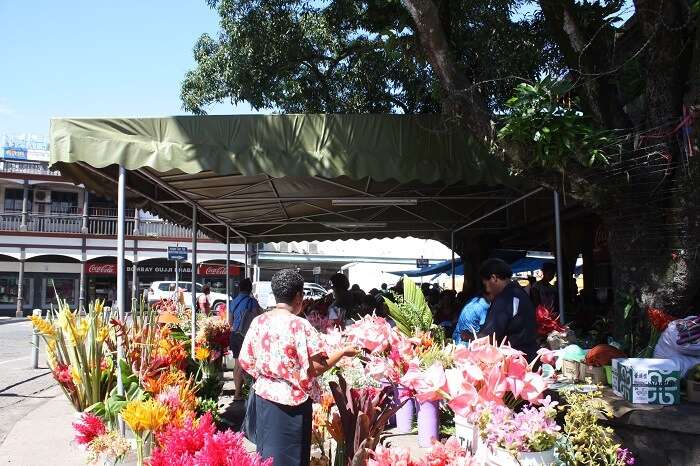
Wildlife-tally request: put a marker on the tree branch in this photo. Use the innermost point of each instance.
(463, 97)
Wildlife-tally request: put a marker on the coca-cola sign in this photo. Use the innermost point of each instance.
(101, 269)
(206, 270)
(218, 270)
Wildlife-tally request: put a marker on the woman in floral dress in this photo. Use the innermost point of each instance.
(284, 354)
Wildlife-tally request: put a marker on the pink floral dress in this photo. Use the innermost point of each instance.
(276, 352)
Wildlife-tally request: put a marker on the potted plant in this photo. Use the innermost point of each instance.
(584, 440)
(525, 438)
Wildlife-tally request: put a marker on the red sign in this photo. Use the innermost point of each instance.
(206, 270)
(101, 269)
(218, 270)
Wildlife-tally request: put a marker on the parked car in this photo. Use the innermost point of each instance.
(263, 293)
(161, 290)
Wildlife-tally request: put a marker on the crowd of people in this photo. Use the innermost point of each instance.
(283, 353)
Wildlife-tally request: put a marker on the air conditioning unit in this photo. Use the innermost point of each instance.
(42, 196)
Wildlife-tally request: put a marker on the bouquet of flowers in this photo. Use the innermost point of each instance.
(197, 442)
(487, 373)
(79, 352)
(449, 453)
(100, 442)
(533, 429)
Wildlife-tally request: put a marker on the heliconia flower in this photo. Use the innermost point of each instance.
(88, 428)
(144, 416)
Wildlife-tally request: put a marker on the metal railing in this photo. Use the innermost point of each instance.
(100, 226)
(27, 168)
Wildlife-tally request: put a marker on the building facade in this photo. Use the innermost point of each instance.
(58, 240)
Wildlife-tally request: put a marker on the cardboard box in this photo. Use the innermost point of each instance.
(595, 373)
(650, 381)
(570, 370)
(693, 389)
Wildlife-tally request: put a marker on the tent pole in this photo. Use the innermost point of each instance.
(245, 259)
(121, 275)
(560, 259)
(452, 247)
(228, 263)
(194, 278)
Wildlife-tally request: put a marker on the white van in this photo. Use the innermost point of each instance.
(263, 293)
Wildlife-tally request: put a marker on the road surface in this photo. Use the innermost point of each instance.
(22, 388)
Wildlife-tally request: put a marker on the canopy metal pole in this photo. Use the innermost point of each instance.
(452, 247)
(560, 259)
(245, 259)
(228, 264)
(194, 277)
(498, 209)
(121, 274)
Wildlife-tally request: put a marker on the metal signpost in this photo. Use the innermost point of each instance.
(177, 254)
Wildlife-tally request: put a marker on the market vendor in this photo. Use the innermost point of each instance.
(511, 314)
(284, 354)
(471, 318)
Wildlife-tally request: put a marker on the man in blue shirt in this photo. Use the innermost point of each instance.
(241, 312)
(471, 319)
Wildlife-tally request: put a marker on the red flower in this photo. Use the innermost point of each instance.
(62, 375)
(547, 322)
(88, 428)
(290, 351)
(659, 319)
(266, 340)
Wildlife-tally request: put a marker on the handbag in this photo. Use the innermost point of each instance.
(249, 420)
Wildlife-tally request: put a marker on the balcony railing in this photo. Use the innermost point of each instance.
(101, 226)
(27, 168)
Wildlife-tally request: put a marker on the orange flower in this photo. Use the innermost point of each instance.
(327, 401)
(659, 319)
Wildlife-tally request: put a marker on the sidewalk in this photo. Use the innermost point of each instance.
(44, 436)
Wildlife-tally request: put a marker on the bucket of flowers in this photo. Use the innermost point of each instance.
(523, 438)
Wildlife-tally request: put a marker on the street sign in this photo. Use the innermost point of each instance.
(422, 263)
(177, 253)
(317, 270)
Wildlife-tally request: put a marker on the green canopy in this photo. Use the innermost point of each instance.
(284, 177)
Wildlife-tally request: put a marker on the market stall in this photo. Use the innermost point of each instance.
(267, 178)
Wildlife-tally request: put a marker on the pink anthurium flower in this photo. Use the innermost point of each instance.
(534, 387)
(547, 356)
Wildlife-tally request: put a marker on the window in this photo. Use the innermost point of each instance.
(64, 202)
(13, 200)
(8, 289)
(165, 286)
(64, 288)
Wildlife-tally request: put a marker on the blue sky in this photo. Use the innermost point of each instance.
(89, 58)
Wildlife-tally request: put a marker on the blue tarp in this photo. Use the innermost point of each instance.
(524, 264)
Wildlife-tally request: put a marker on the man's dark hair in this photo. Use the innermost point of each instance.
(206, 289)
(384, 286)
(286, 285)
(497, 267)
(245, 285)
(549, 267)
(340, 281)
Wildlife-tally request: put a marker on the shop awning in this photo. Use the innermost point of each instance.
(290, 177)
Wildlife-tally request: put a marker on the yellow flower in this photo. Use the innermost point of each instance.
(102, 334)
(75, 374)
(82, 329)
(99, 305)
(143, 416)
(43, 326)
(201, 353)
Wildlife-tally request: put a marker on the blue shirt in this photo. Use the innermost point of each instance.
(471, 318)
(238, 307)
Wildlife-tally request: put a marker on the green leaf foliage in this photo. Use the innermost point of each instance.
(357, 56)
